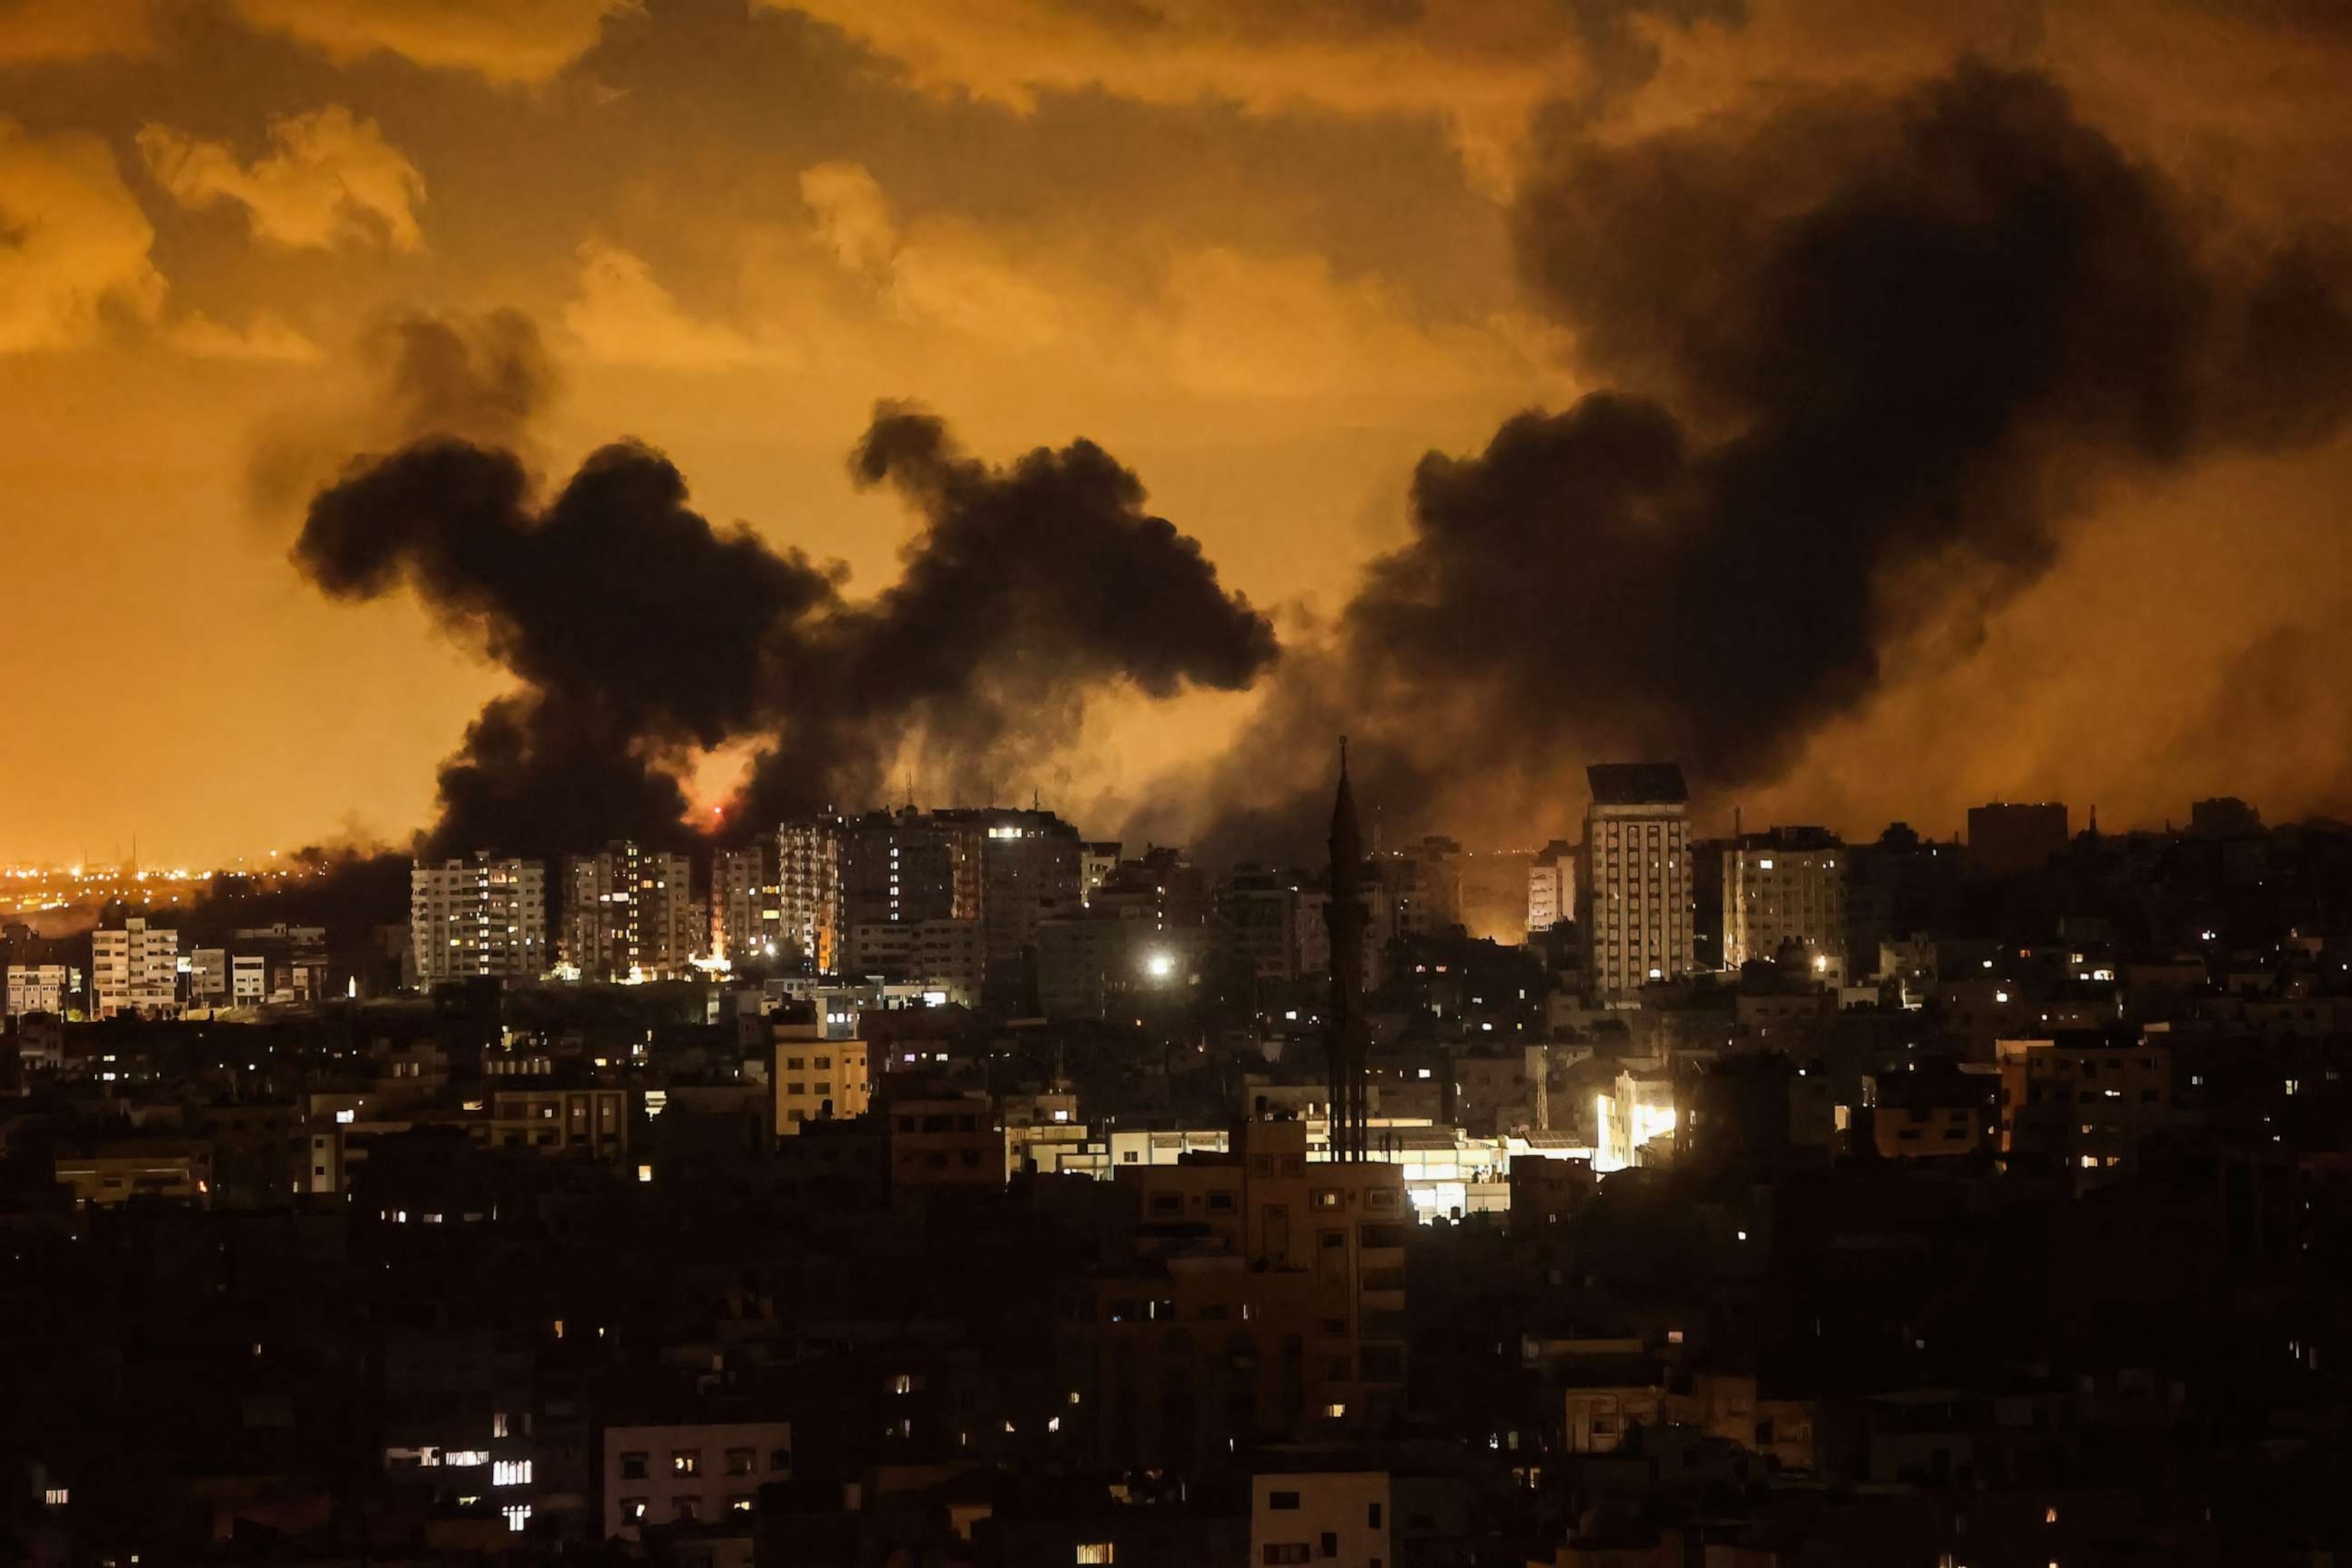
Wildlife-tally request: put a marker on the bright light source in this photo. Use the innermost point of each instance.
(1160, 966)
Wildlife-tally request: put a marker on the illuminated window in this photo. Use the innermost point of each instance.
(1095, 1552)
(518, 1515)
(56, 1496)
(686, 1462)
(511, 1473)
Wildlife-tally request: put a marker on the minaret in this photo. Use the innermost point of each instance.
(1344, 1041)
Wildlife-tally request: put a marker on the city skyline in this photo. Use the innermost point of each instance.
(1260, 282)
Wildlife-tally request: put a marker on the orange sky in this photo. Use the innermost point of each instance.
(1258, 250)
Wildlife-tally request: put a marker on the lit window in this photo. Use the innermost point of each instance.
(1095, 1552)
(518, 1515)
(57, 1497)
(509, 1472)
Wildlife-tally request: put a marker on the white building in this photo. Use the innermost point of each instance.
(665, 1475)
(37, 988)
(135, 969)
(1634, 893)
(628, 914)
(1551, 887)
(1641, 1109)
(1335, 1517)
(1787, 885)
(474, 917)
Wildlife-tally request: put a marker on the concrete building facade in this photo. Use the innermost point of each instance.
(479, 916)
(135, 969)
(628, 914)
(1633, 893)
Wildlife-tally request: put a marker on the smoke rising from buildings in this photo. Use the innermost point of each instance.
(1869, 355)
(642, 634)
(1025, 588)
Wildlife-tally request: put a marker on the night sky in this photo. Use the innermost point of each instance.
(433, 416)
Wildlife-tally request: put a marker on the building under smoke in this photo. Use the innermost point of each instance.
(1633, 893)
(480, 916)
(628, 914)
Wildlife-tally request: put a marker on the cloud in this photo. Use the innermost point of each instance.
(503, 40)
(1480, 67)
(265, 338)
(946, 275)
(334, 177)
(1231, 324)
(73, 242)
(1212, 321)
(623, 316)
(74, 29)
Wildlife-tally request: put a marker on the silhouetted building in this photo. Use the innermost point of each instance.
(2009, 840)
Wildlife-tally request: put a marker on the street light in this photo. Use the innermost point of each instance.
(1159, 965)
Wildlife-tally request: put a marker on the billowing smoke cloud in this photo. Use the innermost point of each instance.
(1026, 588)
(483, 378)
(642, 634)
(636, 627)
(1872, 355)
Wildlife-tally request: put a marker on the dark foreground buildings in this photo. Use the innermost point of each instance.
(1997, 1210)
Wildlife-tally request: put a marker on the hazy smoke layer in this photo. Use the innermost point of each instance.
(641, 632)
(1870, 352)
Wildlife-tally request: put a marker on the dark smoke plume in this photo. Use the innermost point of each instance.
(1872, 355)
(481, 378)
(1026, 588)
(642, 634)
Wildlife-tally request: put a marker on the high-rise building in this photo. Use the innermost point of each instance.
(2011, 839)
(1260, 909)
(904, 867)
(1706, 903)
(745, 915)
(1551, 886)
(628, 914)
(1032, 866)
(808, 891)
(1633, 893)
(135, 969)
(1784, 886)
(479, 916)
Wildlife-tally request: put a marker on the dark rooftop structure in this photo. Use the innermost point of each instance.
(1637, 783)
